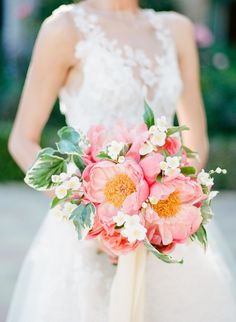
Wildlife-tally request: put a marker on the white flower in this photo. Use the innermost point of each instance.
(204, 178)
(158, 138)
(71, 169)
(134, 232)
(153, 129)
(55, 178)
(172, 172)
(163, 165)
(219, 170)
(121, 159)
(68, 208)
(132, 220)
(114, 148)
(63, 176)
(120, 218)
(153, 200)
(74, 183)
(61, 191)
(173, 162)
(146, 148)
(162, 123)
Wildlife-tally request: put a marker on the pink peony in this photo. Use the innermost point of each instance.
(112, 186)
(96, 230)
(174, 213)
(172, 145)
(117, 243)
(97, 136)
(151, 166)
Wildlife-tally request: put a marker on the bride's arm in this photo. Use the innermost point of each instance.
(52, 58)
(190, 110)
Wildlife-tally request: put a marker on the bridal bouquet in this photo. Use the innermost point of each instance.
(128, 186)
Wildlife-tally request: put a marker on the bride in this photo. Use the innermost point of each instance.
(102, 58)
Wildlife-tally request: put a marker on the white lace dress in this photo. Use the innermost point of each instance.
(123, 59)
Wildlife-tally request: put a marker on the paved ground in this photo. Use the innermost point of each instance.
(22, 210)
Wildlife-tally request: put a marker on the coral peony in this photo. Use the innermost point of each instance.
(113, 186)
(151, 166)
(174, 212)
(172, 145)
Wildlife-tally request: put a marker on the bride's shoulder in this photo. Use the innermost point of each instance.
(180, 26)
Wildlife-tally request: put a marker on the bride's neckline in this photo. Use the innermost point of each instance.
(126, 14)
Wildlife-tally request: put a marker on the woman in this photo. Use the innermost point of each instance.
(103, 58)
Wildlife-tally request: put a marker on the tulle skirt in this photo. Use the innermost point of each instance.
(66, 280)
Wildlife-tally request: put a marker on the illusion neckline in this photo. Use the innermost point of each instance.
(112, 13)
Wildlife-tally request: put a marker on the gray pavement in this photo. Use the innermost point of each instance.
(22, 210)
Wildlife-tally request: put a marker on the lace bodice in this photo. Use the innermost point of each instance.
(124, 58)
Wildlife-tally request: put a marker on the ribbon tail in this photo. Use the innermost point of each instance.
(128, 288)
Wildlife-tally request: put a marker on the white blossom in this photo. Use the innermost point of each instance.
(163, 165)
(172, 172)
(134, 232)
(55, 178)
(212, 195)
(120, 218)
(74, 183)
(205, 179)
(158, 138)
(114, 148)
(146, 148)
(61, 191)
(68, 208)
(162, 123)
(173, 162)
(121, 159)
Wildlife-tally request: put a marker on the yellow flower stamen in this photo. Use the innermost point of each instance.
(169, 207)
(118, 189)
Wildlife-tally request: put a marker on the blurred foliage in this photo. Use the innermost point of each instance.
(222, 153)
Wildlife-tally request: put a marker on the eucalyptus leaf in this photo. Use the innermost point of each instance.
(148, 115)
(188, 171)
(176, 129)
(69, 134)
(163, 257)
(68, 147)
(39, 175)
(83, 219)
(201, 237)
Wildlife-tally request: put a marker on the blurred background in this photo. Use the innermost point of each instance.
(215, 33)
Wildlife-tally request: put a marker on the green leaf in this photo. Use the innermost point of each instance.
(68, 147)
(190, 153)
(39, 175)
(159, 178)
(83, 219)
(205, 189)
(79, 162)
(148, 115)
(188, 171)
(103, 155)
(206, 212)
(176, 129)
(163, 257)
(201, 237)
(69, 134)
(55, 201)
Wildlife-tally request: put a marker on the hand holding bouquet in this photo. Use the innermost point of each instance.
(128, 186)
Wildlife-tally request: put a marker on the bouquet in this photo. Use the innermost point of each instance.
(128, 186)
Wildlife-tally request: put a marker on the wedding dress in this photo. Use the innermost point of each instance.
(124, 58)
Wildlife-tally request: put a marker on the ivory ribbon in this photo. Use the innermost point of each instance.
(128, 288)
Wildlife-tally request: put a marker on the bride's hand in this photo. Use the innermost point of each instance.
(102, 248)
